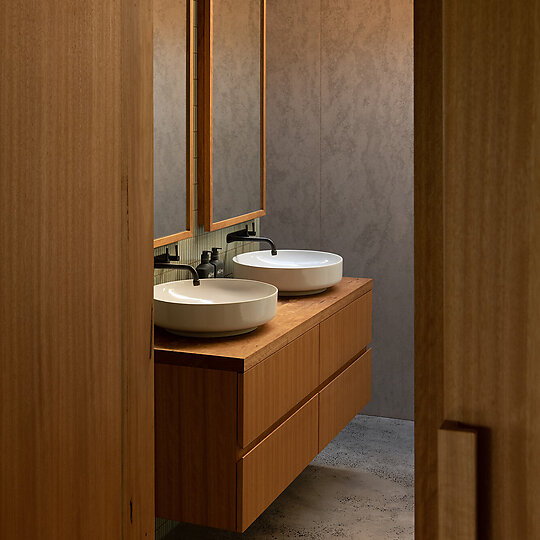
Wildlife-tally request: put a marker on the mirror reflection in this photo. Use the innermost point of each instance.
(231, 99)
(172, 120)
(236, 107)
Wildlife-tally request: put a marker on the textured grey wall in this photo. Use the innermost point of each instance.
(340, 159)
(170, 93)
(293, 123)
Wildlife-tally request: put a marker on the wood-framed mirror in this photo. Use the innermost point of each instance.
(231, 96)
(173, 120)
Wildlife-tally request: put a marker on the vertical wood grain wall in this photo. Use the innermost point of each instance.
(477, 239)
(76, 367)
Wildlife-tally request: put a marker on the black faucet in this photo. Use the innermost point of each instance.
(166, 261)
(245, 235)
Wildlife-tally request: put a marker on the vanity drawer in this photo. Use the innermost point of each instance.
(264, 472)
(343, 398)
(344, 335)
(273, 387)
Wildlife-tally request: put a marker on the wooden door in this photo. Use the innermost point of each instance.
(477, 259)
(76, 368)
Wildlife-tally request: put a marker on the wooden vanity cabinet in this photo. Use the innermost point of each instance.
(266, 470)
(237, 419)
(341, 399)
(268, 391)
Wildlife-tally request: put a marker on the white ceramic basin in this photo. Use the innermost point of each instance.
(216, 308)
(292, 271)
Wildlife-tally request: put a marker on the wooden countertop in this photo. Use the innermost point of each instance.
(295, 315)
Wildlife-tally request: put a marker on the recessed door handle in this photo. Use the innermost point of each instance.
(457, 481)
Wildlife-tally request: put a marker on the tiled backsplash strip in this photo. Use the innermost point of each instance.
(190, 251)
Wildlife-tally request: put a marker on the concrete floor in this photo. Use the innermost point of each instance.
(360, 487)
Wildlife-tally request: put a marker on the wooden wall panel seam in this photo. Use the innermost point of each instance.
(428, 258)
(137, 248)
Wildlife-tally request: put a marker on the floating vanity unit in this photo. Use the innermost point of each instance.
(237, 419)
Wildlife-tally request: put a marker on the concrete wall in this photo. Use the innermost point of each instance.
(340, 159)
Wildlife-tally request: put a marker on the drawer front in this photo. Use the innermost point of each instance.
(344, 335)
(265, 471)
(276, 385)
(343, 398)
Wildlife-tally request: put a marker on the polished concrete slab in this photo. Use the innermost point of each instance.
(360, 487)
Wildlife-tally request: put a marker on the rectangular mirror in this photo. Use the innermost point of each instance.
(232, 111)
(173, 120)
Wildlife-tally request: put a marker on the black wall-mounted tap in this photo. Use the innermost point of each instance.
(167, 257)
(165, 260)
(245, 235)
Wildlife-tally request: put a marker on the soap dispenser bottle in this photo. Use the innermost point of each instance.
(219, 266)
(205, 269)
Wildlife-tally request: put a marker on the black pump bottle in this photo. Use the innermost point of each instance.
(205, 269)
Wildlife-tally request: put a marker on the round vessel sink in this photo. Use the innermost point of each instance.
(216, 308)
(294, 272)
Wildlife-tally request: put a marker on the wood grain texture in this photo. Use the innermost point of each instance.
(486, 240)
(533, 312)
(457, 482)
(137, 271)
(342, 399)
(205, 60)
(428, 259)
(294, 317)
(196, 423)
(71, 431)
(274, 463)
(273, 387)
(344, 335)
(490, 181)
(204, 106)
